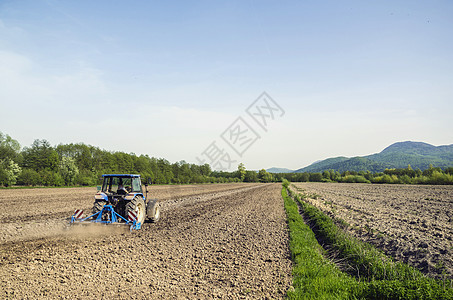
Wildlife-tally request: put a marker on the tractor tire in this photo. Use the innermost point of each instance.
(153, 211)
(138, 205)
(156, 214)
(97, 206)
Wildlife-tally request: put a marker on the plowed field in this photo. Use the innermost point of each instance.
(413, 224)
(226, 241)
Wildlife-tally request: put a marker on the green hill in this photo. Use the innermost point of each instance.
(323, 164)
(398, 155)
(279, 170)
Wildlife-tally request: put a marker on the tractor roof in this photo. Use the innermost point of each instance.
(121, 175)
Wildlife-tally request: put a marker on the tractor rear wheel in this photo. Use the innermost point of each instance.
(138, 206)
(97, 206)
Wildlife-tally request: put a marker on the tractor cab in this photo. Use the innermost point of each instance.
(121, 184)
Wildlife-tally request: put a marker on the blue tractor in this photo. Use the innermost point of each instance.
(120, 199)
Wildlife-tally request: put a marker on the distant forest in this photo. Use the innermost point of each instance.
(42, 164)
(407, 175)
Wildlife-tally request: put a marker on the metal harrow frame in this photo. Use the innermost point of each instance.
(114, 217)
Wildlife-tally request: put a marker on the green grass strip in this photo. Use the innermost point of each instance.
(314, 276)
(378, 275)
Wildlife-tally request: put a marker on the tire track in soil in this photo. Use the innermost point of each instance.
(227, 245)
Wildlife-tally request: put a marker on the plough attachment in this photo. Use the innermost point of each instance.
(107, 216)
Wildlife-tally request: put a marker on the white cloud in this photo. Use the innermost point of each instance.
(18, 82)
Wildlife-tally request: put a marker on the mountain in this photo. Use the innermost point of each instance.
(322, 165)
(279, 170)
(398, 155)
(419, 148)
(347, 164)
(418, 155)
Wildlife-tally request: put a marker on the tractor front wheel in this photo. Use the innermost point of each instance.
(153, 211)
(138, 206)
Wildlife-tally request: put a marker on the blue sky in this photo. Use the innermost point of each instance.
(167, 79)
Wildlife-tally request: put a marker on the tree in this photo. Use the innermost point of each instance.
(124, 162)
(9, 171)
(205, 170)
(165, 174)
(304, 177)
(241, 171)
(41, 155)
(316, 177)
(264, 176)
(251, 176)
(68, 170)
(326, 175)
(50, 178)
(185, 172)
(29, 177)
(9, 148)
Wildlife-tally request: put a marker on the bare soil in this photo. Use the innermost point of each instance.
(226, 241)
(411, 223)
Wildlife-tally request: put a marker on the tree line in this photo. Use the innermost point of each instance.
(407, 175)
(42, 164)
